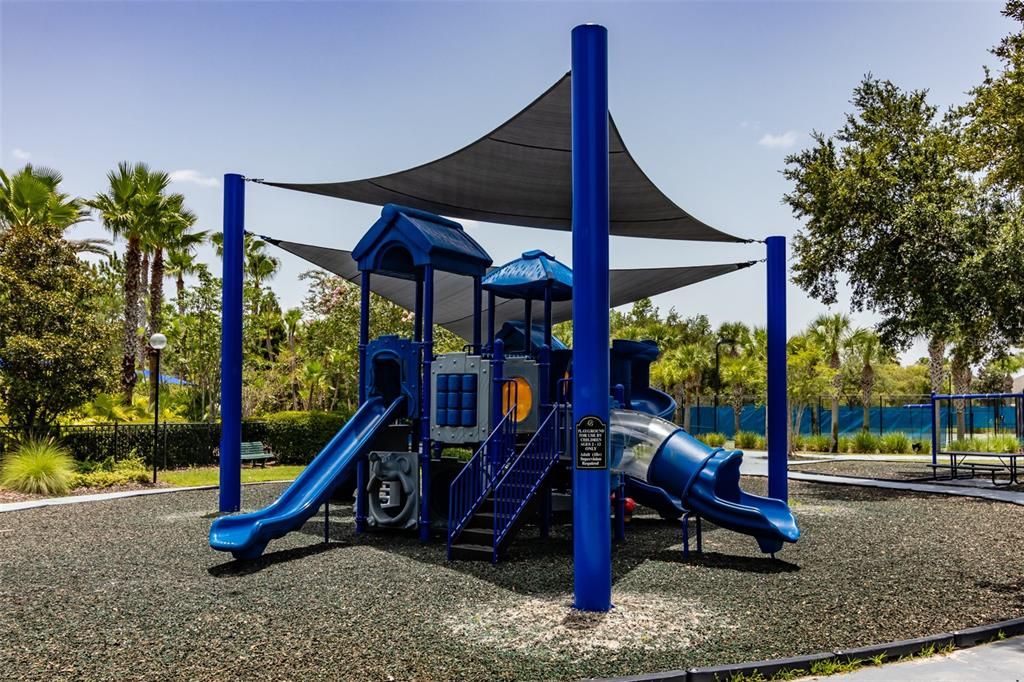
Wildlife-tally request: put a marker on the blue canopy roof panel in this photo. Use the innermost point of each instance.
(530, 276)
(404, 240)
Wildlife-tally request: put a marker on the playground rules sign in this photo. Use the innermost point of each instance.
(591, 443)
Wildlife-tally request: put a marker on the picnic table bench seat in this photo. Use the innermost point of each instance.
(975, 467)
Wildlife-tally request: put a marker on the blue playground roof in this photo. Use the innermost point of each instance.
(404, 240)
(530, 276)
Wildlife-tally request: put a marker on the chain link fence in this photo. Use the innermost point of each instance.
(885, 414)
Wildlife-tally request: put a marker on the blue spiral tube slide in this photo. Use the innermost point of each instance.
(669, 470)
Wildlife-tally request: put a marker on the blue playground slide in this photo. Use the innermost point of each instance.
(653, 401)
(669, 470)
(247, 535)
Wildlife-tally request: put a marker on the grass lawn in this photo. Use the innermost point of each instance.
(209, 475)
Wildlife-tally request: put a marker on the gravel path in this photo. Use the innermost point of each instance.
(129, 589)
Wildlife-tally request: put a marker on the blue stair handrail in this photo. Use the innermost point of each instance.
(526, 474)
(473, 484)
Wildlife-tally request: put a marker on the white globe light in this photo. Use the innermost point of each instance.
(158, 341)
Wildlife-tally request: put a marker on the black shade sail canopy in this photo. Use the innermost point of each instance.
(521, 174)
(453, 294)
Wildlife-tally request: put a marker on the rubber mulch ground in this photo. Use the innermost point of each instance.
(129, 589)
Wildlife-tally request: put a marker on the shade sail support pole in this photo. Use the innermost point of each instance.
(230, 495)
(777, 408)
(590, 228)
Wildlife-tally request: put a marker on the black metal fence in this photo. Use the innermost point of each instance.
(176, 445)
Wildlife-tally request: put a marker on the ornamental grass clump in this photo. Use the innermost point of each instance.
(820, 443)
(864, 442)
(38, 467)
(747, 440)
(897, 443)
(715, 440)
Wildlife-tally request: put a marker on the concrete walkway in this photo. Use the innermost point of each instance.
(97, 497)
(997, 662)
(100, 497)
(756, 464)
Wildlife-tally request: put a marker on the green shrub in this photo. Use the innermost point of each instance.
(817, 443)
(796, 442)
(39, 467)
(747, 440)
(761, 444)
(897, 443)
(1002, 444)
(108, 479)
(864, 442)
(845, 444)
(107, 473)
(297, 437)
(714, 440)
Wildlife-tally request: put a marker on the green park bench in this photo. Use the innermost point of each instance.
(256, 452)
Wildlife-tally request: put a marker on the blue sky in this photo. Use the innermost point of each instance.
(709, 97)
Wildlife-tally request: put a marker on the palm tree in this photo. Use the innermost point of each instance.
(179, 265)
(292, 318)
(682, 368)
(960, 372)
(738, 367)
(30, 198)
(171, 224)
(314, 378)
(181, 258)
(866, 351)
(258, 265)
(126, 209)
(94, 245)
(831, 333)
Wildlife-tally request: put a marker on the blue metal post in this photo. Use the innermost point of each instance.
(935, 430)
(547, 315)
(478, 294)
(591, 535)
(620, 482)
(544, 372)
(528, 327)
(777, 416)
(494, 454)
(490, 320)
(364, 339)
(231, 346)
(428, 358)
(417, 329)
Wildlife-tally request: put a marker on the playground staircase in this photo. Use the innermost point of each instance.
(500, 491)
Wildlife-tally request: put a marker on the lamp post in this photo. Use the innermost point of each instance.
(157, 342)
(718, 376)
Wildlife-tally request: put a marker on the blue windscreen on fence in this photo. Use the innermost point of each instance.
(912, 420)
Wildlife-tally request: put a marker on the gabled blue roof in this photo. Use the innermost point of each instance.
(529, 276)
(404, 240)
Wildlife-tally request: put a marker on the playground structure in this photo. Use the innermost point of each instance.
(506, 397)
(545, 424)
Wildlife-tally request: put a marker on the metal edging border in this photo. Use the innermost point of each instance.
(889, 651)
